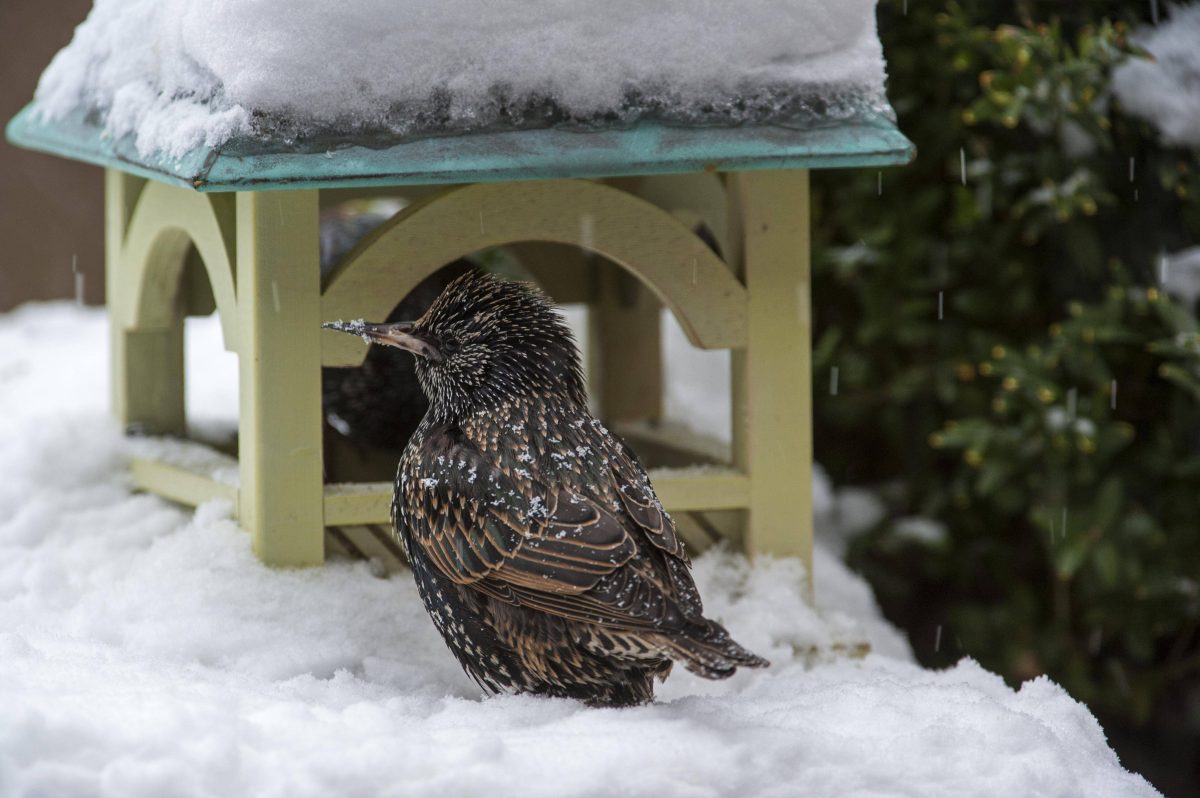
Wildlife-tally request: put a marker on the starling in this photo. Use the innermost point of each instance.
(537, 543)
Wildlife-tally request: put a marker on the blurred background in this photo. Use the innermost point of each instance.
(1012, 321)
(52, 207)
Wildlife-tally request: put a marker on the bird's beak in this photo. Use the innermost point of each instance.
(399, 335)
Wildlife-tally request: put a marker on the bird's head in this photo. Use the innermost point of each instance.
(483, 342)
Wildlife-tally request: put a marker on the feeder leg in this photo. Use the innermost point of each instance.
(624, 347)
(281, 494)
(146, 365)
(772, 379)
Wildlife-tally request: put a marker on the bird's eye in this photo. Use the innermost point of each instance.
(449, 345)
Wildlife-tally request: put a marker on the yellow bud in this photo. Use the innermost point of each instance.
(1151, 294)
(998, 352)
(1056, 329)
(965, 372)
(973, 457)
(985, 368)
(1089, 207)
(1075, 309)
(968, 117)
(1010, 384)
(1045, 395)
(999, 405)
(1086, 445)
(936, 440)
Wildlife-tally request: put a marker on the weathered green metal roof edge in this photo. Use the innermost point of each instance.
(646, 148)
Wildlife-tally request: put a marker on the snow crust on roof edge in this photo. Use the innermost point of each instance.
(180, 74)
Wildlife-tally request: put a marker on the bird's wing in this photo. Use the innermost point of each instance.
(640, 501)
(475, 521)
(642, 504)
(521, 542)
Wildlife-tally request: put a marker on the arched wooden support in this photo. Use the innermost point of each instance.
(687, 277)
(699, 198)
(165, 223)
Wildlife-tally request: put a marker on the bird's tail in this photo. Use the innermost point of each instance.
(707, 650)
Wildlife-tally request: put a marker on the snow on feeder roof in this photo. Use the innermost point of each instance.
(263, 93)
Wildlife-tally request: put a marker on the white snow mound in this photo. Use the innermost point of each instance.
(1166, 91)
(181, 73)
(145, 652)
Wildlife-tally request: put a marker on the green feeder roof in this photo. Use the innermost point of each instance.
(646, 148)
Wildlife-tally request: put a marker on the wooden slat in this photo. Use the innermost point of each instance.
(701, 488)
(179, 484)
(356, 503)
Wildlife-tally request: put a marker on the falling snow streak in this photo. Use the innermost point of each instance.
(1154, 11)
(937, 639)
(962, 163)
(941, 304)
(1164, 265)
(275, 294)
(879, 188)
(1072, 396)
(833, 381)
(1132, 169)
(1112, 402)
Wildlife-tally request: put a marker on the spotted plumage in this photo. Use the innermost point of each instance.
(536, 540)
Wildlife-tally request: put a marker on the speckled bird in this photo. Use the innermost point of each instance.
(537, 543)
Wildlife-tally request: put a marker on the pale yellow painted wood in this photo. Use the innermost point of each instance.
(691, 198)
(772, 406)
(358, 503)
(701, 488)
(374, 543)
(146, 365)
(179, 484)
(679, 490)
(166, 223)
(708, 301)
(279, 424)
(625, 362)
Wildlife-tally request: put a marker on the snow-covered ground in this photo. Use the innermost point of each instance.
(144, 652)
(180, 73)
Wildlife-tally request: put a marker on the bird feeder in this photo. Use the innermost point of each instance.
(607, 217)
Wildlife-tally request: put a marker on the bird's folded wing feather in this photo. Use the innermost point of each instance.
(552, 550)
(475, 521)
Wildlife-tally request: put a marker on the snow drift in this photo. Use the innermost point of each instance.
(145, 652)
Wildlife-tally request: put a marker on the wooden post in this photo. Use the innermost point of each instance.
(625, 365)
(146, 365)
(279, 426)
(772, 422)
